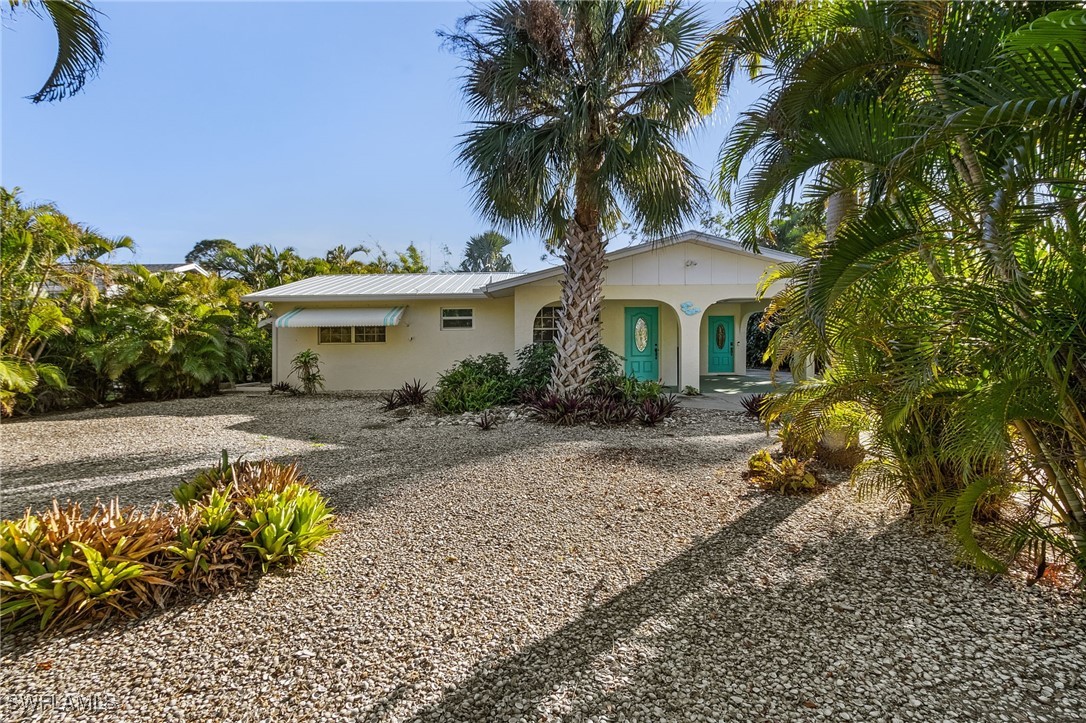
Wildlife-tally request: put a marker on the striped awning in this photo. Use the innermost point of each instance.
(299, 318)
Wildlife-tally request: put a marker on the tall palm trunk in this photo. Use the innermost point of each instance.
(838, 207)
(579, 318)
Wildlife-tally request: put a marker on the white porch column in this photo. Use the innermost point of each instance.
(803, 368)
(689, 351)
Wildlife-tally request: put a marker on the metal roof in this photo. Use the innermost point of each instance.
(378, 287)
(361, 287)
(698, 237)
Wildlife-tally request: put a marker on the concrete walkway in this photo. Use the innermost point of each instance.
(724, 391)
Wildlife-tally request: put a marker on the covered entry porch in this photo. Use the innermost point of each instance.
(676, 342)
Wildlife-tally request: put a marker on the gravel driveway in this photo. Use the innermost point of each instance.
(532, 573)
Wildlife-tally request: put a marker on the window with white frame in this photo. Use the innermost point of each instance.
(545, 327)
(369, 334)
(349, 334)
(457, 318)
(334, 335)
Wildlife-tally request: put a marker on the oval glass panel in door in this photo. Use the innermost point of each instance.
(641, 333)
(721, 336)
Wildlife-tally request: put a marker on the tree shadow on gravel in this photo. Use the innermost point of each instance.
(494, 691)
(853, 623)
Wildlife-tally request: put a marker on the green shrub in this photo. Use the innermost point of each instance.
(69, 568)
(534, 365)
(477, 383)
(608, 364)
(838, 445)
(536, 361)
(626, 389)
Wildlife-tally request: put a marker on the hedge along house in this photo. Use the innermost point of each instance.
(676, 310)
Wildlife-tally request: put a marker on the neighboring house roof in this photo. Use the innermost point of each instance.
(365, 287)
(697, 237)
(55, 289)
(375, 287)
(176, 268)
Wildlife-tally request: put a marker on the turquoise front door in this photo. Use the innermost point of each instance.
(642, 342)
(721, 344)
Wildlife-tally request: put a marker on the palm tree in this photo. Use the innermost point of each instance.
(261, 266)
(81, 45)
(484, 253)
(948, 142)
(340, 261)
(579, 108)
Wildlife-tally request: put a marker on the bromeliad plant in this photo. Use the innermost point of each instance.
(77, 567)
(68, 568)
(285, 525)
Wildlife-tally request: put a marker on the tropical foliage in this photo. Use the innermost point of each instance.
(484, 253)
(480, 383)
(43, 251)
(306, 366)
(580, 108)
(76, 329)
(67, 568)
(947, 143)
(261, 266)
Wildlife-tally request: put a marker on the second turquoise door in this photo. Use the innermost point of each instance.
(642, 343)
(721, 344)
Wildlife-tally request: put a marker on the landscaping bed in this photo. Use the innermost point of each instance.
(533, 572)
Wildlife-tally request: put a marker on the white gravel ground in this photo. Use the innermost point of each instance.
(533, 574)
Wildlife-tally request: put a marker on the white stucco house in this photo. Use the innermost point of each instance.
(676, 309)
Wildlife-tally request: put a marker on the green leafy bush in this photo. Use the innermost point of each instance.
(477, 383)
(70, 568)
(534, 365)
(838, 447)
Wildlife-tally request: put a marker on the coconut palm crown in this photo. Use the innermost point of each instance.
(579, 107)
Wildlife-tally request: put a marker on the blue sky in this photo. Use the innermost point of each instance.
(289, 123)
